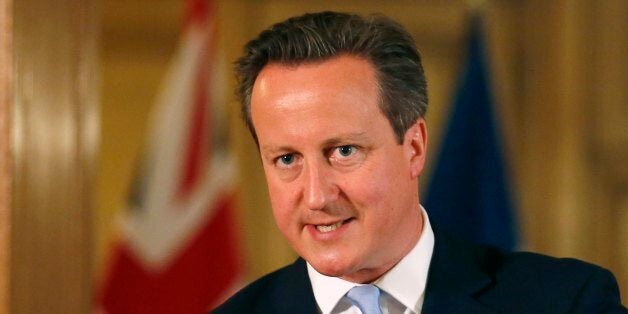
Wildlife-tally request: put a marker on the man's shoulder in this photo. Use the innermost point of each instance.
(253, 293)
(276, 292)
(546, 272)
(544, 282)
(521, 264)
(521, 282)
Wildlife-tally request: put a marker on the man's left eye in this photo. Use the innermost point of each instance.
(347, 155)
(346, 150)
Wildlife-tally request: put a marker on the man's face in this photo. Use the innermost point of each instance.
(344, 192)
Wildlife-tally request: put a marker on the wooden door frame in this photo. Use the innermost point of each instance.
(6, 71)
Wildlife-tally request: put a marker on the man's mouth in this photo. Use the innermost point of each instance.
(331, 227)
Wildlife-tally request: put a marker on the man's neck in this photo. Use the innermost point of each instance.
(368, 275)
(405, 281)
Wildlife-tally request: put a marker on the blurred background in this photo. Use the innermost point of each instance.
(80, 81)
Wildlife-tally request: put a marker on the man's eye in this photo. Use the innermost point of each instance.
(346, 150)
(346, 156)
(343, 152)
(286, 159)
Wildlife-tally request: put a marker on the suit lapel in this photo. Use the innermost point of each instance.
(454, 278)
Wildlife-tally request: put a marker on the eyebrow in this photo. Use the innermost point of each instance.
(269, 149)
(345, 138)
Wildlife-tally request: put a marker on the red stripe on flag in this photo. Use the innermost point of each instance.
(200, 146)
(193, 283)
(198, 11)
(198, 139)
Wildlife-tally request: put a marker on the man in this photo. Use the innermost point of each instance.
(335, 103)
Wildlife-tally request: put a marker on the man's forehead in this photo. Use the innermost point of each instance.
(340, 74)
(316, 105)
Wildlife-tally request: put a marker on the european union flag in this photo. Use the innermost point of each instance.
(468, 196)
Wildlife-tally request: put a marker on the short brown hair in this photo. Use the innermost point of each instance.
(320, 36)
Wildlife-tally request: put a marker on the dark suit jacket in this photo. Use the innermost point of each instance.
(462, 279)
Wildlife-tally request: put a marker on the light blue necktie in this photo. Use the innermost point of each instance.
(366, 298)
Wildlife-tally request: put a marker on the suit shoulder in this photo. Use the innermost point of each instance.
(244, 300)
(262, 295)
(561, 284)
(547, 268)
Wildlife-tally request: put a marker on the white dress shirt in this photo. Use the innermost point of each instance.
(402, 287)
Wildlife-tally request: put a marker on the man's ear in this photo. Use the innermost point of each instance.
(415, 143)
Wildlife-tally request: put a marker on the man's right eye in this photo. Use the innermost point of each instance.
(286, 160)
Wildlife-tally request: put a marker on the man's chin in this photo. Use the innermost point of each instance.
(347, 271)
(331, 269)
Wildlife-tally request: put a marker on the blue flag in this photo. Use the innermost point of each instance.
(469, 196)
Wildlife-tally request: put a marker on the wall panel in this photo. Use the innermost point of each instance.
(6, 84)
(54, 137)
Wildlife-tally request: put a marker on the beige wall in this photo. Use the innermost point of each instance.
(559, 75)
(570, 146)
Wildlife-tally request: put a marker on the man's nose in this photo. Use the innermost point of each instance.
(319, 187)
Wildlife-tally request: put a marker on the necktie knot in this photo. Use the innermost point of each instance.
(366, 298)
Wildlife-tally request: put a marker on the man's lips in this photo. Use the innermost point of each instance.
(325, 227)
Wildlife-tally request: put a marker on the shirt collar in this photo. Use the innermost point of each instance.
(405, 281)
